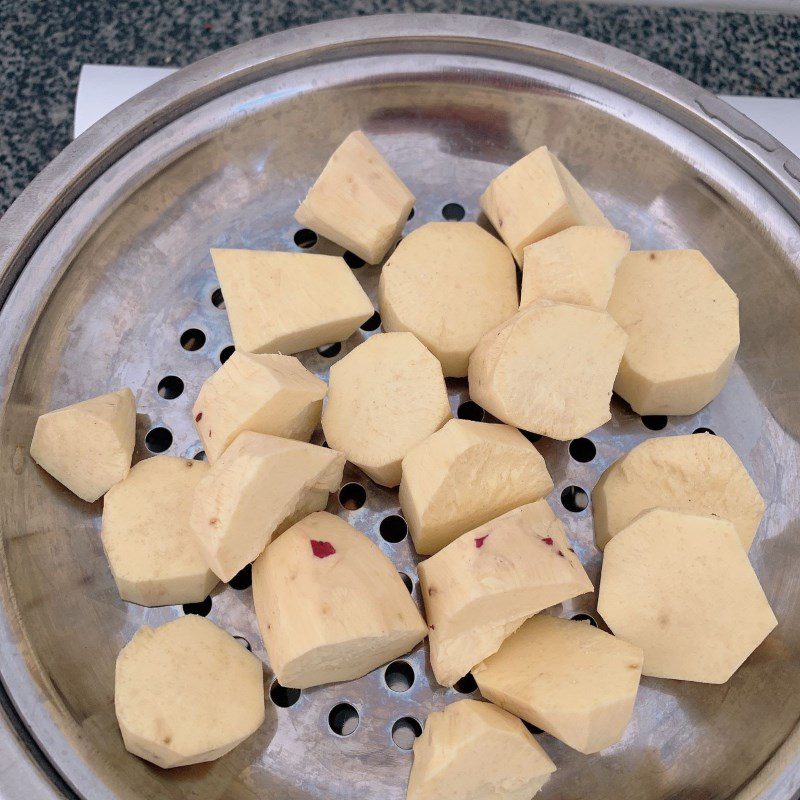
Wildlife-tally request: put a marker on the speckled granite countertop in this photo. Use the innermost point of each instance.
(44, 42)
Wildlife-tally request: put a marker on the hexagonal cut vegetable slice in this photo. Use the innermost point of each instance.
(266, 393)
(150, 548)
(577, 265)
(680, 586)
(698, 473)
(384, 397)
(330, 606)
(549, 369)
(483, 586)
(683, 325)
(572, 680)
(186, 692)
(88, 446)
(448, 283)
(358, 201)
(474, 750)
(288, 302)
(260, 486)
(438, 494)
(536, 197)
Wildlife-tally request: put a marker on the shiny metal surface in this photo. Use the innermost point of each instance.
(109, 251)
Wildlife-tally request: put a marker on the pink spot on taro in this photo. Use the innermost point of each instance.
(548, 540)
(480, 540)
(322, 549)
(561, 554)
(199, 417)
(432, 627)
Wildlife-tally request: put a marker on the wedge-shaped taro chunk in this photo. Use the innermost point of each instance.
(682, 321)
(483, 586)
(384, 398)
(358, 201)
(152, 553)
(266, 393)
(550, 369)
(330, 606)
(437, 492)
(288, 302)
(680, 586)
(186, 692)
(577, 265)
(474, 751)
(448, 283)
(570, 679)
(698, 473)
(535, 198)
(88, 446)
(259, 486)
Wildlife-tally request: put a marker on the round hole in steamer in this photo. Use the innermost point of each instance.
(466, 685)
(193, 339)
(470, 410)
(226, 353)
(404, 731)
(411, 213)
(352, 496)
(200, 455)
(393, 528)
(283, 697)
(305, 238)
(453, 212)
(170, 387)
(654, 422)
(243, 579)
(704, 430)
(243, 642)
(352, 260)
(343, 719)
(217, 300)
(158, 440)
(373, 323)
(582, 450)
(584, 618)
(330, 350)
(399, 676)
(407, 581)
(574, 499)
(202, 608)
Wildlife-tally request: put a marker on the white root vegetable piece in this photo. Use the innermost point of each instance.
(682, 321)
(474, 751)
(549, 369)
(259, 486)
(484, 585)
(266, 393)
(384, 397)
(698, 473)
(535, 198)
(88, 446)
(448, 283)
(186, 692)
(288, 302)
(438, 493)
(358, 201)
(330, 606)
(680, 586)
(570, 679)
(577, 265)
(150, 548)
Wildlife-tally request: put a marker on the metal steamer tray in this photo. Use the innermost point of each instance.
(105, 267)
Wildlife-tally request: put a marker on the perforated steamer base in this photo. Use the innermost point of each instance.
(111, 248)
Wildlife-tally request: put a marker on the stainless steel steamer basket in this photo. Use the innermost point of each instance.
(104, 265)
